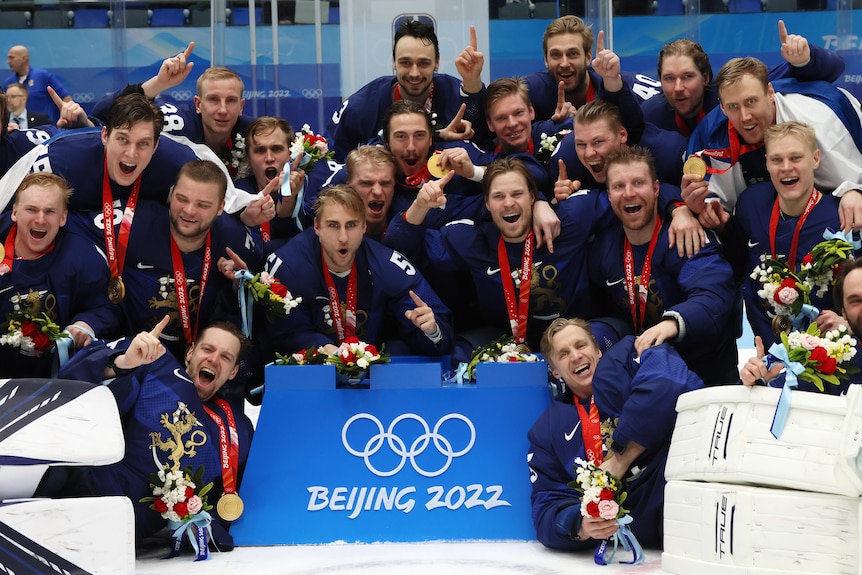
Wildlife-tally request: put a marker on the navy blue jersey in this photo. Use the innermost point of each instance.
(637, 88)
(824, 65)
(636, 400)
(667, 148)
(162, 418)
(18, 142)
(360, 117)
(700, 289)
(69, 283)
(833, 113)
(384, 278)
(148, 271)
(752, 218)
(281, 229)
(559, 286)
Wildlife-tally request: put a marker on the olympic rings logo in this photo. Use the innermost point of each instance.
(83, 96)
(312, 93)
(399, 446)
(182, 95)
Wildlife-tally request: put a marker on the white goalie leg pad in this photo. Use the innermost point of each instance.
(722, 434)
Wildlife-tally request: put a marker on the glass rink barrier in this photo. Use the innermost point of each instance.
(405, 458)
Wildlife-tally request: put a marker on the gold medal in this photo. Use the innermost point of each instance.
(694, 165)
(522, 348)
(116, 290)
(230, 507)
(434, 166)
(2, 253)
(780, 323)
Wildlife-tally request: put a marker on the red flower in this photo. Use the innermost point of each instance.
(160, 505)
(593, 509)
(828, 366)
(371, 349)
(787, 283)
(818, 354)
(181, 509)
(606, 495)
(41, 341)
(349, 357)
(190, 492)
(351, 339)
(808, 259)
(279, 289)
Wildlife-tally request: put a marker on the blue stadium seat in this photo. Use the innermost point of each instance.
(91, 18)
(668, 7)
(168, 17)
(743, 6)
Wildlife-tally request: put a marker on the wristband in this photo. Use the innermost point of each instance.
(478, 174)
(118, 371)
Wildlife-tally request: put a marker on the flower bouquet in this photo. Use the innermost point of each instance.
(787, 294)
(315, 147)
(33, 334)
(813, 358)
(236, 151)
(351, 360)
(269, 293)
(549, 144)
(603, 496)
(502, 350)
(180, 496)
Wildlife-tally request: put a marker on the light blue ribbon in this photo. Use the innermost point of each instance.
(202, 523)
(828, 234)
(246, 301)
(458, 376)
(624, 537)
(806, 312)
(64, 346)
(794, 368)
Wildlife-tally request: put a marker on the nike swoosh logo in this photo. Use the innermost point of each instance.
(144, 266)
(492, 271)
(610, 283)
(569, 436)
(182, 375)
(752, 244)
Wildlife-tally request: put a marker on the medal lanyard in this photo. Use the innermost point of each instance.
(396, 96)
(9, 247)
(682, 125)
(182, 288)
(228, 444)
(117, 252)
(732, 153)
(518, 312)
(638, 293)
(794, 242)
(344, 327)
(591, 431)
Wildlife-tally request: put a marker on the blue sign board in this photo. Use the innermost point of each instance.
(407, 459)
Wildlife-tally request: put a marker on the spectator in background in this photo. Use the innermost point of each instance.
(20, 118)
(37, 81)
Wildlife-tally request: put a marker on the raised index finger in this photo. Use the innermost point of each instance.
(600, 41)
(561, 94)
(782, 32)
(758, 346)
(474, 43)
(188, 51)
(564, 175)
(157, 331)
(417, 300)
(460, 115)
(58, 101)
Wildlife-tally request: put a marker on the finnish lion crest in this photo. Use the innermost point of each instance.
(183, 438)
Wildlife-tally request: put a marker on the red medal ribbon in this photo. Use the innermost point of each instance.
(9, 244)
(117, 253)
(419, 178)
(531, 148)
(732, 153)
(344, 327)
(183, 291)
(638, 293)
(228, 444)
(518, 313)
(265, 232)
(794, 242)
(591, 431)
(591, 91)
(682, 125)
